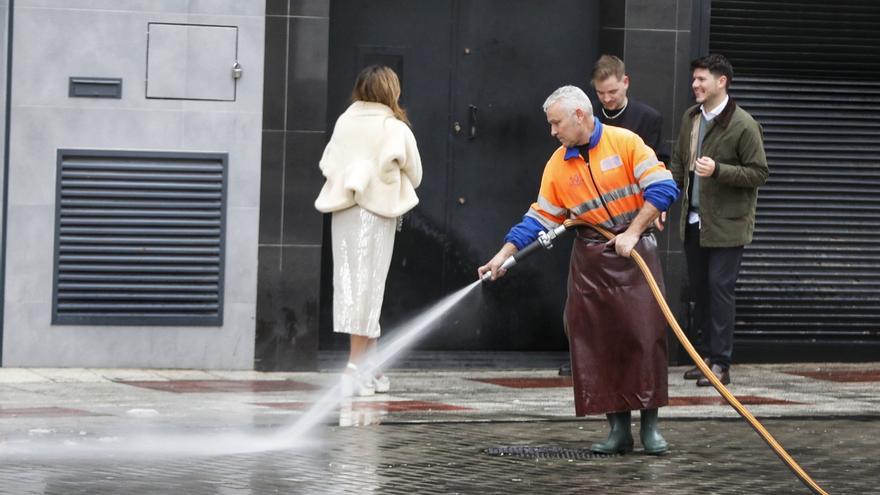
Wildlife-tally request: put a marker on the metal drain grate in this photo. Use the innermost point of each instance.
(545, 453)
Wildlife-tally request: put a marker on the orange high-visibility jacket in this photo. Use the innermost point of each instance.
(608, 191)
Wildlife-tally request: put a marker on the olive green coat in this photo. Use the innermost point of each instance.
(728, 198)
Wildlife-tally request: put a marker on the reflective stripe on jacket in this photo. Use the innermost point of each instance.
(605, 192)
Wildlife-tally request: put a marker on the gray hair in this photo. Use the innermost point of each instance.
(571, 98)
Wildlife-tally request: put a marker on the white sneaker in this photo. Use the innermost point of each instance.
(353, 384)
(364, 386)
(381, 384)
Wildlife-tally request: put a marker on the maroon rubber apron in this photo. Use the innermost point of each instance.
(616, 331)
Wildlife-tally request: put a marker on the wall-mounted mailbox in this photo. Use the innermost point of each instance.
(95, 87)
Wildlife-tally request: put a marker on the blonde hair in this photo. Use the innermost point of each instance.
(607, 66)
(379, 84)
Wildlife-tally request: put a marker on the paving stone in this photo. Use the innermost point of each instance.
(721, 457)
(433, 433)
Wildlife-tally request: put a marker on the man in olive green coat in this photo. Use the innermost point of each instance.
(719, 163)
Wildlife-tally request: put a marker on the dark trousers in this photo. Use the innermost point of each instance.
(712, 274)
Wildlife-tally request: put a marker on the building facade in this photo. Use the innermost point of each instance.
(160, 165)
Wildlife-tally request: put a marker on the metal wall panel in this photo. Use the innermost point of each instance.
(139, 238)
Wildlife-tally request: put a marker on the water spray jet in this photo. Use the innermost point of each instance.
(407, 334)
(186, 444)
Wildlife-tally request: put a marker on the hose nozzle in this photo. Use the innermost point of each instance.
(545, 240)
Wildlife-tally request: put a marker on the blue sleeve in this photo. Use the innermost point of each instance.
(661, 194)
(524, 233)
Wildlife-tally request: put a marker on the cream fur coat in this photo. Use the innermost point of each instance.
(372, 161)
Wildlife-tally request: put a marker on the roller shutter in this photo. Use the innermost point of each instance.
(804, 70)
(813, 270)
(793, 39)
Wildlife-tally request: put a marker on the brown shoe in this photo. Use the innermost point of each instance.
(722, 374)
(695, 373)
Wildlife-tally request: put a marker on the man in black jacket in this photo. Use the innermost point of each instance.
(617, 109)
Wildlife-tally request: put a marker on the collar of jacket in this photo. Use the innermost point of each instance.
(594, 140)
(724, 117)
(371, 108)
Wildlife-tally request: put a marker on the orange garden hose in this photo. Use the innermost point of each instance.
(698, 360)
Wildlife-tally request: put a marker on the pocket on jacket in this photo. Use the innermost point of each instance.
(737, 210)
(735, 203)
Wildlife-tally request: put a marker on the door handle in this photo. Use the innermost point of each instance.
(472, 122)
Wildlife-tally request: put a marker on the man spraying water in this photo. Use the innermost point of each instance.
(605, 176)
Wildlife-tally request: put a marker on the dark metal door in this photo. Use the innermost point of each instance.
(474, 74)
(509, 56)
(414, 39)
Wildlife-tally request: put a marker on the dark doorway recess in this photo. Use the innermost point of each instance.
(474, 77)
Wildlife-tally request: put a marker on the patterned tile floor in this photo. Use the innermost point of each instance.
(229, 432)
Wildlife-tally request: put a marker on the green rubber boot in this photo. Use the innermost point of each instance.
(620, 440)
(652, 440)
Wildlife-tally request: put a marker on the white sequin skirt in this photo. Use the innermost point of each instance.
(362, 246)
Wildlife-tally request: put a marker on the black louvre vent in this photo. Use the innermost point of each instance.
(798, 38)
(813, 271)
(139, 238)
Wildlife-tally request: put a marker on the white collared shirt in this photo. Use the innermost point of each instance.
(715, 111)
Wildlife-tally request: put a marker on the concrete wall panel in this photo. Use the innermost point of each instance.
(56, 39)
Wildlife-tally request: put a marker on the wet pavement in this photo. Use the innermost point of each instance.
(440, 430)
